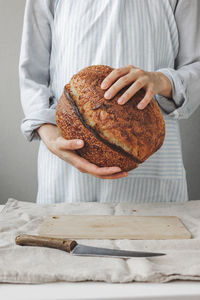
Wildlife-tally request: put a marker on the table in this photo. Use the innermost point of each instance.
(178, 290)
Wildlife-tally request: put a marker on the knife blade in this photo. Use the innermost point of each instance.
(72, 247)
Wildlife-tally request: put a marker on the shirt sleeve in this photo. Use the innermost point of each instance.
(185, 76)
(34, 65)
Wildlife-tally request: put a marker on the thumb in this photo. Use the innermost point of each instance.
(64, 144)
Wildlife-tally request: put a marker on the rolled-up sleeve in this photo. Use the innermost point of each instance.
(185, 77)
(34, 65)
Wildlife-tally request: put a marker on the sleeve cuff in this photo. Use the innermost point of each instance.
(175, 107)
(35, 120)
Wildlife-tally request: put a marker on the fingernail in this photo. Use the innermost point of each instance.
(79, 142)
(103, 85)
(120, 101)
(107, 95)
(117, 169)
(140, 106)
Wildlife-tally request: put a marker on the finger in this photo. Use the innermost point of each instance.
(132, 90)
(118, 85)
(64, 144)
(85, 166)
(147, 98)
(115, 176)
(103, 171)
(113, 76)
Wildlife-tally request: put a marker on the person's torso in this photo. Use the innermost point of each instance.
(142, 33)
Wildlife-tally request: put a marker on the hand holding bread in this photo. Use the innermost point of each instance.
(113, 134)
(97, 135)
(152, 82)
(65, 149)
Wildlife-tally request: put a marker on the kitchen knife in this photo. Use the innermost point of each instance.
(74, 248)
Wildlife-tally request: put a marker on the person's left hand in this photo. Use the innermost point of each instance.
(152, 82)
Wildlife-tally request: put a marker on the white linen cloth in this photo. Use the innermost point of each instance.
(25, 264)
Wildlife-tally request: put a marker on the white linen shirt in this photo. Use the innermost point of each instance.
(61, 37)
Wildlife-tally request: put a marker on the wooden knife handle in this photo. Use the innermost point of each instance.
(42, 241)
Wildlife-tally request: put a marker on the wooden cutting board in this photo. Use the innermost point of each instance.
(114, 227)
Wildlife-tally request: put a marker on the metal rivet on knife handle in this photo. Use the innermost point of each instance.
(42, 241)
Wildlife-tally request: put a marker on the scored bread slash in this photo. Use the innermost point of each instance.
(113, 146)
(113, 134)
(94, 150)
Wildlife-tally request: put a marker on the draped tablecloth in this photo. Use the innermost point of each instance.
(39, 264)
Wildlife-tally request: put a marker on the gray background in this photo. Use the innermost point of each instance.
(18, 158)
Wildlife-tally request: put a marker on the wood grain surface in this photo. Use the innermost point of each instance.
(114, 227)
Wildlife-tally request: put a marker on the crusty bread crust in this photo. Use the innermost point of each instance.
(94, 150)
(114, 135)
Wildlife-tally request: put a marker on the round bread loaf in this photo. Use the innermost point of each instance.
(113, 134)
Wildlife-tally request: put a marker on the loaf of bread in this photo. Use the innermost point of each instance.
(113, 134)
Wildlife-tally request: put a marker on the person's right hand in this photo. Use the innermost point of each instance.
(64, 149)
